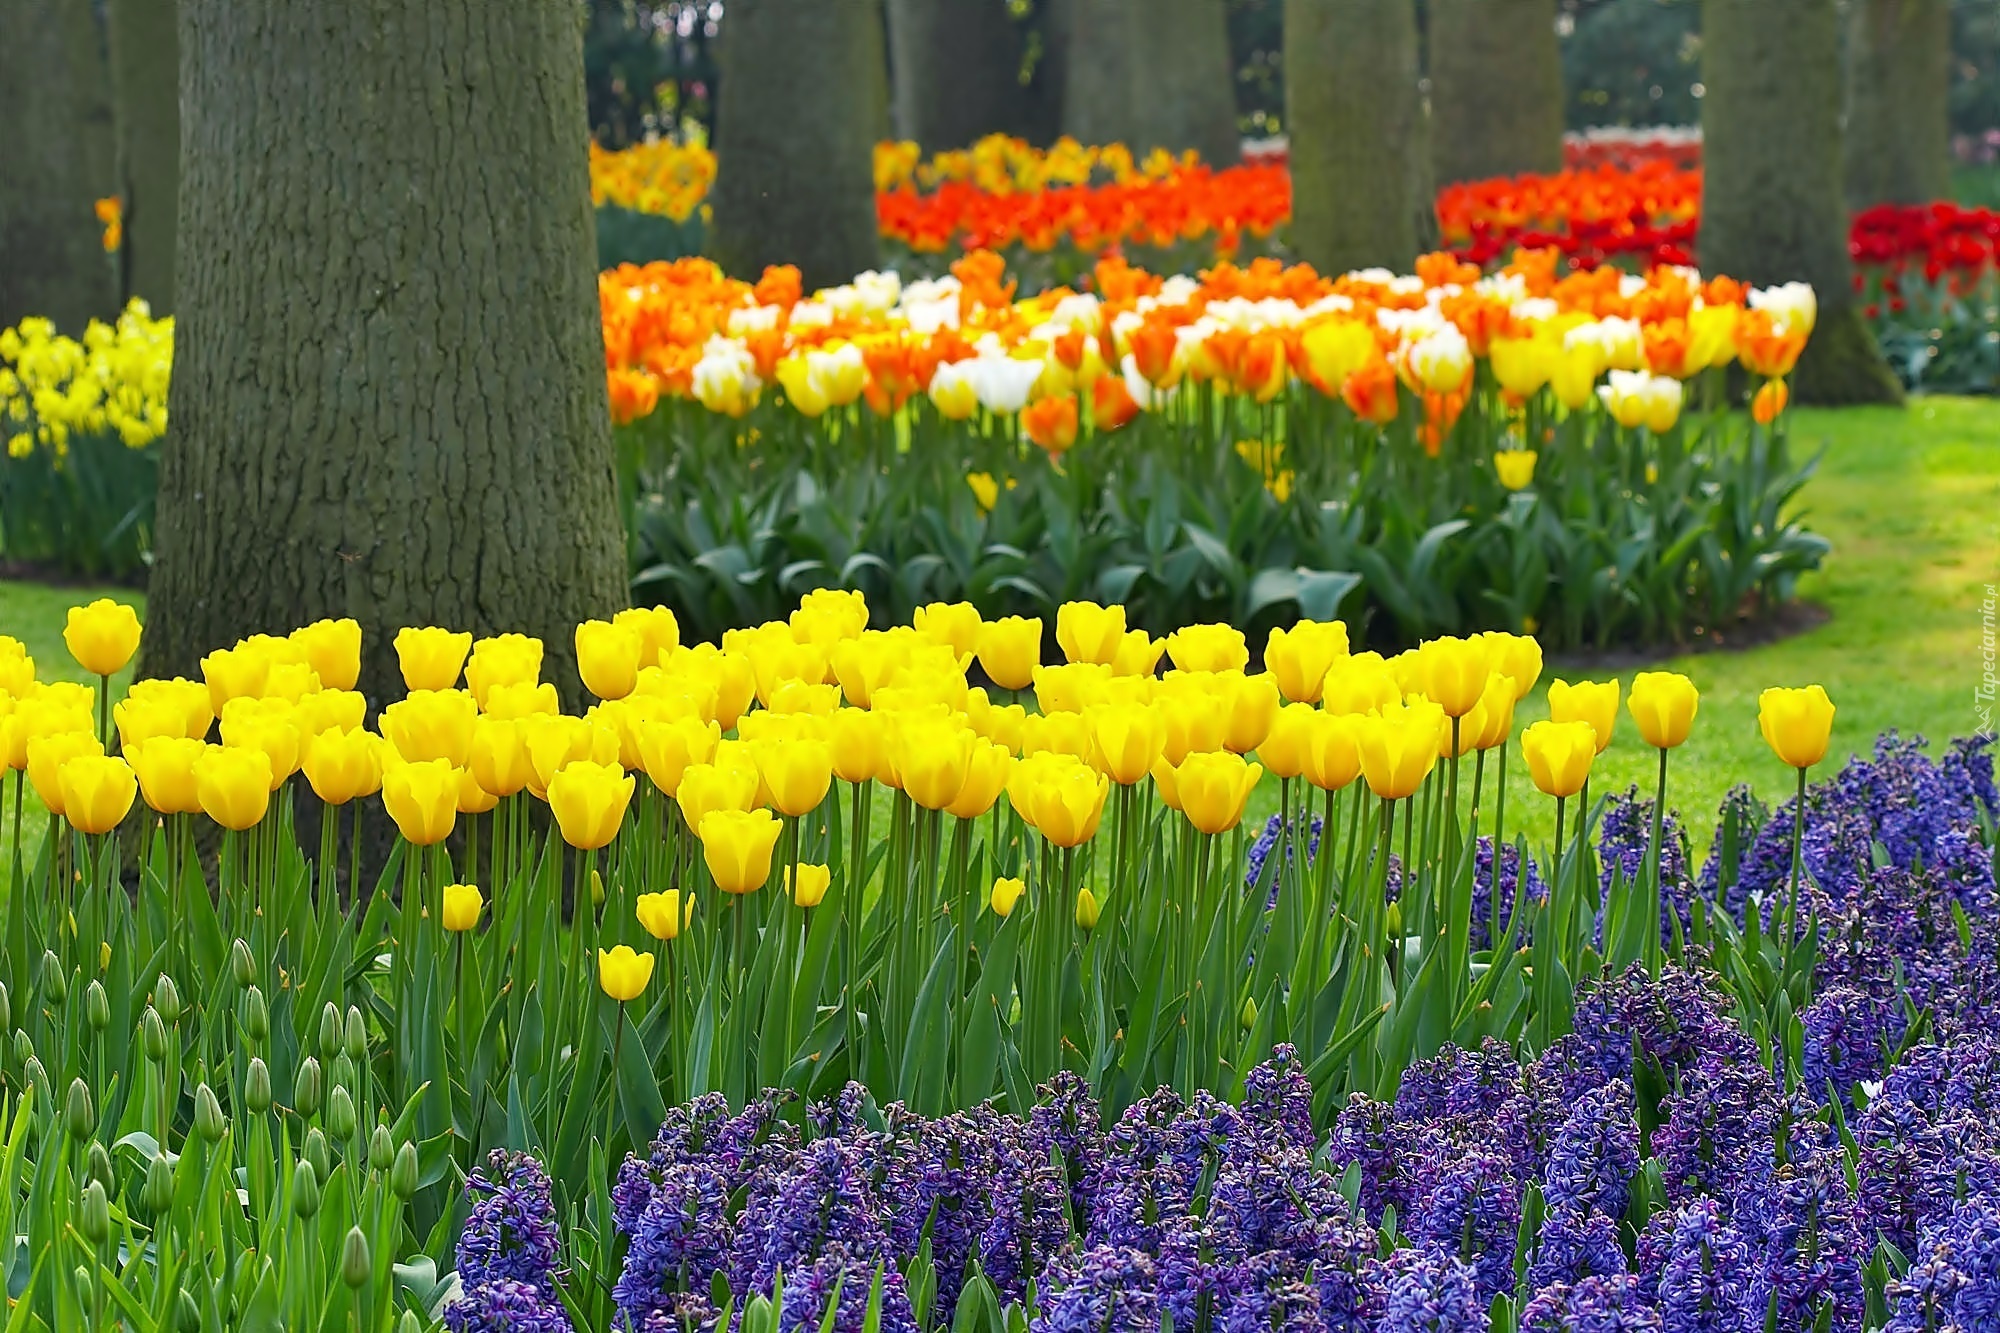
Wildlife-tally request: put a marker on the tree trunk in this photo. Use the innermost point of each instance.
(55, 166)
(1496, 89)
(145, 62)
(1151, 74)
(1357, 133)
(1098, 71)
(388, 397)
(1898, 114)
(1772, 209)
(957, 68)
(795, 139)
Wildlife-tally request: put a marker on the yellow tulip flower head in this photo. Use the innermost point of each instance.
(662, 915)
(427, 724)
(1517, 656)
(659, 633)
(1333, 753)
(737, 846)
(553, 743)
(97, 791)
(473, 799)
(607, 657)
(622, 974)
(1010, 649)
(1006, 892)
(187, 698)
(808, 888)
(985, 778)
(233, 673)
(329, 710)
(233, 784)
(164, 766)
(343, 765)
(1071, 687)
(47, 756)
(1088, 910)
(1087, 632)
(431, 658)
(503, 659)
(462, 905)
(1208, 648)
(1360, 684)
(864, 664)
(102, 636)
(422, 798)
(1493, 720)
(1797, 724)
(954, 624)
(1663, 703)
(1515, 468)
(932, 759)
(499, 757)
(1253, 708)
(1595, 702)
(508, 700)
(588, 800)
(1399, 747)
(1454, 673)
(1069, 803)
(710, 786)
(332, 649)
(1287, 751)
(1127, 739)
(1559, 755)
(667, 749)
(797, 773)
(1137, 655)
(1299, 658)
(1214, 788)
(140, 720)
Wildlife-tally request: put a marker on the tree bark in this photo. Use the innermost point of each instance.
(1151, 74)
(55, 166)
(957, 70)
(1357, 133)
(1772, 209)
(1098, 75)
(145, 62)
(1496, 89)
(1898, 111)
(388, 397)
(795, 138)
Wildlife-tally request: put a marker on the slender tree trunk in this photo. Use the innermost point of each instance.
(1898, 114)
(1357, 132)
(145, 62)
(1151, 74)
(957, 68)
(55, 164)
(1772, 209)
(1496, 89)
(796, 139)
(388, 397)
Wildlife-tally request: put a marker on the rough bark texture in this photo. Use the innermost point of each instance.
(1772, 209)
(388, 397)
(1151, 74)
(1097, 88)
(145, 66)
(795, 139)
(957, 67)
(1357, 132)
(55, 164)
(1898, 112)
(1496, 88)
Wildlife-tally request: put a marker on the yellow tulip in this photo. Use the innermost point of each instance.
(985, 778)
(502, 659)
(1287, 751)
(1493, 721)
(1360, 684)
(659, 633)
(662, 915)
(422, 797)
(588, 800)
(330, 710)
(1137, 655)
(1595, 702)
(798, 698)
(343, 765)
(932, 760)
(165, 766)
(189, 699)
(431, 658)
(1087, 632)
(607, 657)
(1068, 804)
(1253, 707)
(1003, 724)
(269, 725)
(473, 799)
(553, 743)
(711, 786)
(233, 673)
(233, 784)
(1196, 721)
(1087, 909)
(1213, 789)
(1399, 747)
(1524, 365)
(462, 905)
(667, 749)
(1797, 724)
(17, 670)
(1663, 703)
(46, 757)
(1208, 648)
(1515, 468)
(1559, 755)
(332, 649)
(854, 735)
(1333, 755)
(737, 846)
(1071, 687)
(954, 624)
(102, 636)
(862, 665)
(498, 757)
(506, 701)
(429, 724)
(1127, 739)
(623, 974)
(1006, 892)
(1518, 656)
(1010, 649)
(809, 890)
(141, 721)
(290, 681)
(797, 773)
(1454, 673)
(97, 791)
(1299, 658)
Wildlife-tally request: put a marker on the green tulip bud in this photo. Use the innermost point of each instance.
(167, 998)
(6, 1008)
(55, 982)
(354, 1264)
(340, 1071)
(356, 1036)
(153, 1035)
(37, 1078)
(305, 1189)
(96, 1006)
(94, 1217)
(78, 1117)
(381, 1149)
(256, 1015)
(24, 1049)
(97, 1165)
(403, 1172)
(340, 1117)
(208, 1121)
(1393, 925)
(309, 1088)
(242, 964)
(83, 1287)
(318, 1154)
(187, 1314)
(329, 1031)
(1247, 1016)
(257, 1086)
(157, 1194)
(409, 1323)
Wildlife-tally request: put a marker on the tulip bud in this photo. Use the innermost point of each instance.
(409, 1323)
(37, 1078)
(186, 1313)
(308, 1088)
(157, 1195)
(94, 1218)
(167, 998)
(55, 982)
(78, 1117)
(381, 1149)
(356, 1036)
(24, 1049)
(340, 1071)
(1247, 1015)
(403, 1172)
(208, 1121)
(1087, 909)
(256, 1015)
(329, 1031)
(340, 1116)
(97, 1165)
(354, 1262)
(257, 1087)
(6, 1008)
(318, 1153)
(153, 1035)
(84, 1297)
(1392, 923)
(96, 1006)
(242, 964)
(596, 888)
(305, 1189)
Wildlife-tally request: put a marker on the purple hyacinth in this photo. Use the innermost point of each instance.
(845, 1280)
(1424, 1291)
(1473, 1209)
(1458, 1082)
(1574, 1244)
(1303, 825)
(504, 1305)
(1595, 1154)
(679, 1241)
(1594, 1305)
(1848, 1033)
(1491, 912)
(1955, 1284)
(1699, 1268)
(1103, 1289)
(510, 1234)
(1271, 1292)
(1726, 1111)
(1799, 1223)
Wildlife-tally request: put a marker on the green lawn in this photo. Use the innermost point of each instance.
(1910, 499)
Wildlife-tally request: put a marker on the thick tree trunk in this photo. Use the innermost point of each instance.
(1496, 89)
(55, 165)
(1151, 74)
(145, 64)
(1898, 113)
(795, 138)
(957, 68)
(1772, 209)
(1098, 72)
(388, 397)
(1357, 133)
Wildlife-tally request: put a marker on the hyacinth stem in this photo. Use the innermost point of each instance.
(1656, 894)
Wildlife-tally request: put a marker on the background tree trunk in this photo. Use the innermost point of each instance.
(957, 69)
(1098, 76)
(1357, 134)
(1151, 74)
(55, 166)
(1898, 112)
(1772, 209)
(388, 397)
(145, 64)
(795, 138)
(1496, 89)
